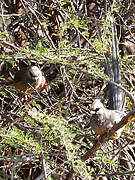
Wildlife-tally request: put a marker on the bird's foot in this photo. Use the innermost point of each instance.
(26, 100)
(99, 141)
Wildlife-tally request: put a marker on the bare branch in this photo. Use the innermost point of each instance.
(107, 135)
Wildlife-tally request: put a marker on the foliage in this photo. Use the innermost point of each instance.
(68, 41)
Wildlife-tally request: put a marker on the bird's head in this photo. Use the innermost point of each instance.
(35, 73)
(96, 106)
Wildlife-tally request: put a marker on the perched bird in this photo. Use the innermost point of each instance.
(27, 80)
(104, 119)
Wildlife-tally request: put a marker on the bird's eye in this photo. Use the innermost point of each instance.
(97, 109)
(31, 74)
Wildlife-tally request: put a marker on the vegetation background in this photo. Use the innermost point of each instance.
(70, 40)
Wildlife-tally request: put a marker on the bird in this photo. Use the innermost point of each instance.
(27, 80)
(104, 119)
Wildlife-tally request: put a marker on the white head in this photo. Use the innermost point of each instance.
(97, 105)
(35, 73)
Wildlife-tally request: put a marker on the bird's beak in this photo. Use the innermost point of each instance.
(35, 78)
(92, 110)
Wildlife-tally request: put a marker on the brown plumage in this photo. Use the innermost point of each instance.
(104, 119)
(30, 77)
(27, 80)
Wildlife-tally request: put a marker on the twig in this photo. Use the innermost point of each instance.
(107, 135)
(129, 81)
(44, 29)
(44, 166)
(78, 31)
(10, 45)
(117, 173)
